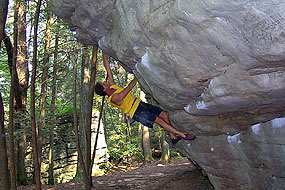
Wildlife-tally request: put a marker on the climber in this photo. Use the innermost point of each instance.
(142, 112)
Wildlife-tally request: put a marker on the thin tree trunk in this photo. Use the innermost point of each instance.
(85, 77)
(146, 144)
(129, 132)
(22, 62)
(23, 76)
(33, 111)
(3, 17)
(10, 51)
(140, 129)
(80, 156)
(4, 173)
(51, 132)
(78, 168)
(42, 125)
(97, 134)
(13, 176)
(89, 111)
(105, 126)
(165, 148)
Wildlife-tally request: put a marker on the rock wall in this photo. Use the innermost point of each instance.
(217, 66)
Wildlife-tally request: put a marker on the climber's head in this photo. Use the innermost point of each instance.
(100, 88)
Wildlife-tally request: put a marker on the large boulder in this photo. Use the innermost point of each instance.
(217, 66)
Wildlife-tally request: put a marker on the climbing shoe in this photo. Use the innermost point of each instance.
(189, 137)
(174, 141)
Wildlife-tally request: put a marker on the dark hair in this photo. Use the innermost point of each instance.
(99, 89)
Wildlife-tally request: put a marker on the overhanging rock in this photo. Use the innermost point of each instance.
(218, 67)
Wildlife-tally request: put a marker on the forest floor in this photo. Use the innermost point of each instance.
(177, 175)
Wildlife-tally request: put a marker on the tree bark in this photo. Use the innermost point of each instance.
(92, 85)
(3, 17)
(140, 129)
(89, 111)
(97, 133)
(42, 124)
(78, 147)
(105, 126)
(79, 171)
(20, 84)
(4, 173)
(146, 144)
(13, 176)
(10, 51)
(33, 111)
(165, 148)
(23, 77)
(51, 132)
(85, 77)
(22, 62)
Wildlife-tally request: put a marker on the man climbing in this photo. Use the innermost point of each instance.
(142, 112)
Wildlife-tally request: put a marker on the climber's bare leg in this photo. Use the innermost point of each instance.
(164, 115)
(171, 130)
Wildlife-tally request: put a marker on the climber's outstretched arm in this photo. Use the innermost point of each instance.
(108, 69)
(118, 97)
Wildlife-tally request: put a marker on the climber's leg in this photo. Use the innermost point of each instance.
(165, 117)
(148, 114)
(165, 123)
(172, 131)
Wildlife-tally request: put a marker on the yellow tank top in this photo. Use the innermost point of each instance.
(130, 103)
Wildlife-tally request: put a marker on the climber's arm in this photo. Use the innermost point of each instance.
(108, 69)
(117, 98)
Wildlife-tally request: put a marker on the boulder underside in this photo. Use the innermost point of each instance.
(218, 67)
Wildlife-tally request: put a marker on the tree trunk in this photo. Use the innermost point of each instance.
(10, 51)
(89, 111)
(85, 77)
(78, 147)
(51, 131)
(145, 137)
(140, 129)
(42, 125)
(33, 111)
(102, 111)
(146, 144)
(79, 171)
(13, 176)
(20, 93)
(22, 62)
(4, 173)
(23, 76)
(97, 133)
(3, 17)
(165, 148)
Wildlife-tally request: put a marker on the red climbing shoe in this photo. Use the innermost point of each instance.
(189, 137)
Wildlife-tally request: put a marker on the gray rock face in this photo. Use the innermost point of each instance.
(217, 66)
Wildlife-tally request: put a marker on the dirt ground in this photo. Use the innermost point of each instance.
(178, 175)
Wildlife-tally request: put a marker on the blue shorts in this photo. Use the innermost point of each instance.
(146, 114)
